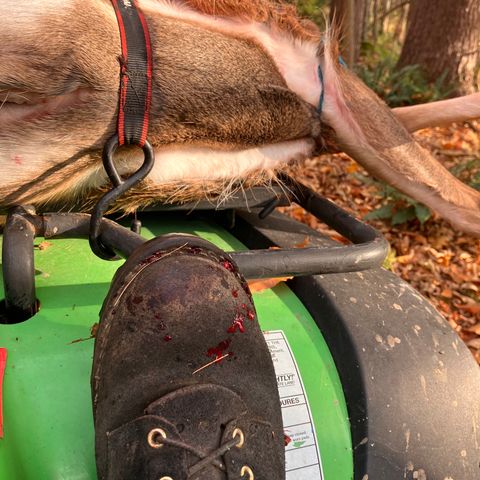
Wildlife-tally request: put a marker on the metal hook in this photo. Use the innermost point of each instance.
(120, 187)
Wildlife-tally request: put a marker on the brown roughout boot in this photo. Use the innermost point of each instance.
(183, 384)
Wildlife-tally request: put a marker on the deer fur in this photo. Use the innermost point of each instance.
(235, 98)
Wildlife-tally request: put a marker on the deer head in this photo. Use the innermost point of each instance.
(236, 93)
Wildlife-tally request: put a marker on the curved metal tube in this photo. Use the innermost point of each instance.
(369, 248)
(17, 249)
(20, 230)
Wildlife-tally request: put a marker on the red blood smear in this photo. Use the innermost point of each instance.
(219, 350)
(154, 258)
(18, 160)
(228, 265)
(251, 315)
(244, 306)
(235, 293)
(237, 324)
(168, 338)
(3, 362)
(286, 439)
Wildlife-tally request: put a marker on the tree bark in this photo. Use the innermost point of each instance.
(443, 37)
(347, 17)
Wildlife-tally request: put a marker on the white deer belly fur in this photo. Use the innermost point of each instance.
(193, 164)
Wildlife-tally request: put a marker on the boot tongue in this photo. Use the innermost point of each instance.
(200, 414)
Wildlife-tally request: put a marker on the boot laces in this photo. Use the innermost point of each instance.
(157, 438)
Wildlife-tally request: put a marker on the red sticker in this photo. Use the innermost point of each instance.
(3, 361)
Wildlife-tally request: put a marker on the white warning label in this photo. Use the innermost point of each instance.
(302, 456)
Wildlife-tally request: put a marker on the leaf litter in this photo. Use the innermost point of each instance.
(442, 264)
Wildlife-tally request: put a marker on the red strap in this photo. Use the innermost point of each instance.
(135, 73)
(3, 362)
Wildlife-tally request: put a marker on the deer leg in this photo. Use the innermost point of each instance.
(368, 131)
(439, 113)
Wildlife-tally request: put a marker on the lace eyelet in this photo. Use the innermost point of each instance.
(246, 470)
(152, 438)
(166, 478)
(238, 433)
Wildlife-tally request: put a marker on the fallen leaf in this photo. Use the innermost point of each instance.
(340, 238)
(352, 168)
(44, 245)
(304, 243)
(473, 308)
(458, 275)
(266, 283)
(405, 259)
(475, 329)
(475, 343)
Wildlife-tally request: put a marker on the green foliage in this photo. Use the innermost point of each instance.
(406, 86)
(390, 259)
(396, 207)
(312, 9)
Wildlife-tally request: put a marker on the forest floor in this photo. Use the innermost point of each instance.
(443, 264)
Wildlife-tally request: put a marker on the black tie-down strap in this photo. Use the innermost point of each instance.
(135, 97)
(135, 74)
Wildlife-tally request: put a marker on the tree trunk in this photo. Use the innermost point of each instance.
(443, 37)
(347, 17)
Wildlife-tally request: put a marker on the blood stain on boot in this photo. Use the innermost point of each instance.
(251, 315)
(153, 258)
(228, 265)
(237, 324)
(235, 293)
(167, 338)
(137, 300)
(219, 350)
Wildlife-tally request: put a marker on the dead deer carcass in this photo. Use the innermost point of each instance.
(236, 94)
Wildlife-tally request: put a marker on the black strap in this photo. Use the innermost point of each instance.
(133, 111)
(135, 73)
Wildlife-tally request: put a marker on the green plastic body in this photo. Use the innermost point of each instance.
(48, 424)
